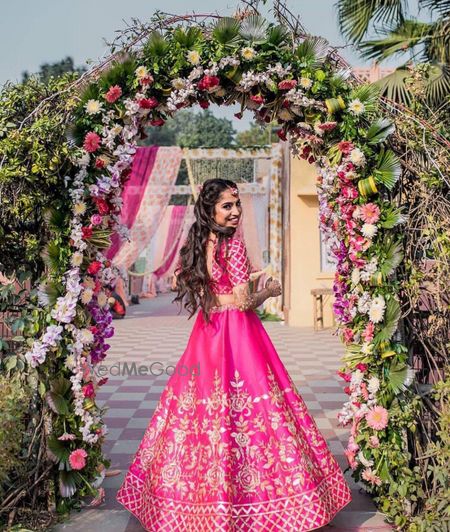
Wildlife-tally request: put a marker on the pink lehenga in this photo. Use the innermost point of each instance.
(231, 446)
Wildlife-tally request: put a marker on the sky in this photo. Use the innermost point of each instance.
(33, 32)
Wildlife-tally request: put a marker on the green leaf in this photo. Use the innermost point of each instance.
(391, 319)
(392, 217)
(388, 169)
(396, 377)
(226, 31)
(379, 131)
(369, 95)
(60, 385)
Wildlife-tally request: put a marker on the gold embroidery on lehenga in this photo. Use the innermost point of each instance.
(194, 455)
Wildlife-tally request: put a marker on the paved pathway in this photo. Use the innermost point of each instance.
(152, 331)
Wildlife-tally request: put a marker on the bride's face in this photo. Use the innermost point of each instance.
(228, 209)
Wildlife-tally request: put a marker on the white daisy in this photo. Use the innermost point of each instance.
(248, 53)
(356, 107)
(305, 83)
(357, 157)
(369, 230)
(93, 107)
(193, 57)
(373, 385)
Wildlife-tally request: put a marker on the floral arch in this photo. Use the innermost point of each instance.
(329, 119)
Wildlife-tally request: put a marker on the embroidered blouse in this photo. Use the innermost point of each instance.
(233, 268)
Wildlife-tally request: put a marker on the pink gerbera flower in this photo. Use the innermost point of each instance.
(369, 476)
(91, 142)
(370, 213)
(377, 418)
(77, 459)
(114, 93)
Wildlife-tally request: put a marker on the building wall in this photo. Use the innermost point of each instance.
(304, 248)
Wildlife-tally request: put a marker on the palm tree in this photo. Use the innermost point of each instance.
(424, 42)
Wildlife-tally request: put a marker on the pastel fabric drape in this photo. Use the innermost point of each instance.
(172, 239)
(133, 191)
(273, 305)
(155, 199)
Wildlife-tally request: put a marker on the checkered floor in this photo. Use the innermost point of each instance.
(152, 331)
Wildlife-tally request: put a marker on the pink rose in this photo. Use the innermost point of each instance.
(91, 142)
(96, 219)
(257, 98)
(208, 82)
(77, 459)
(113, 94)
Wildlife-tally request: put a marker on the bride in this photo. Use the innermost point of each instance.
(231, 446)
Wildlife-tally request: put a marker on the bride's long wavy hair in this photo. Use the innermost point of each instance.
(192, 279)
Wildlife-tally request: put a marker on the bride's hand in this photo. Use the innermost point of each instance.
(274, 287)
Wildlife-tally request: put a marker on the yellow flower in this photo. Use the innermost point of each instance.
(356, 107)
(93, 107)
(305, 83)
(141, 72)
(79, 208)
(193, 57)
(248, 53)
(178, 83)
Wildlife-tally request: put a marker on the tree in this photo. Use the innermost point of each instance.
(47, 70)
(189, 129)
(424, 41)
(257, 136)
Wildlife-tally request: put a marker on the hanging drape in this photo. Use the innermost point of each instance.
(133, 192)
(154, 198)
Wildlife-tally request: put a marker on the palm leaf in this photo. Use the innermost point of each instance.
(51, 255)
(388, 169)
(60, 385)
(277, 35)
(437, 48)
(442, 7)
(438, 86)
(380, 130)
(116, 74)
(313, 51)
(156, 46)
(254, 29)
(355, 16)
(58, 448)
(57, 403)
(226, 31)
(391, 319)
(67, 484)
(53, 291)
(393, 86)
(394, 256)
(397, 374)
(405, 36)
